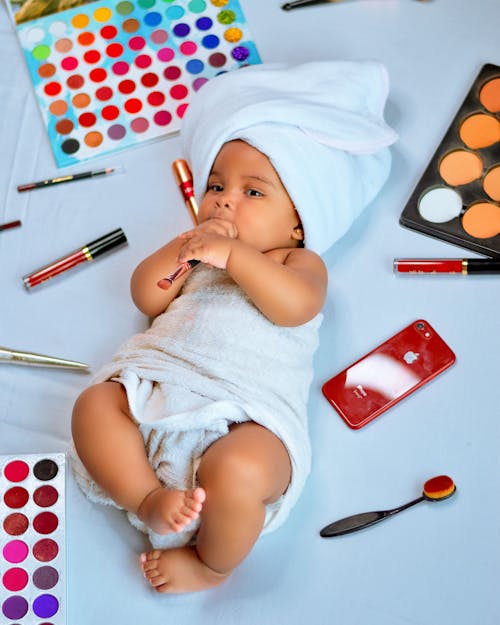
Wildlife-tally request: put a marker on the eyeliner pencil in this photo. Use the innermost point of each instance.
(16, 357)
(305, 3)
(10, 224)
(61, 179)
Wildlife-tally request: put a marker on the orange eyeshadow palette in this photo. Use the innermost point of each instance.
(32, 539)
(458, 197)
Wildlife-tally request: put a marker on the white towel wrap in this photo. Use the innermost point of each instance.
(210, 360)
(321, 125)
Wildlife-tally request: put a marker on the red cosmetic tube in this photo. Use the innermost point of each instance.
(463, 266)
(88, 252)
(184, 179)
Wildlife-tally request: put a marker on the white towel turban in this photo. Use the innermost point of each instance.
(321, 125)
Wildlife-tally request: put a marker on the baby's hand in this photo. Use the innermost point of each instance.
(215, 226)
(210, 242)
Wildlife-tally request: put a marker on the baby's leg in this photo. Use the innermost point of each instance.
(111, 447)
(240, 473)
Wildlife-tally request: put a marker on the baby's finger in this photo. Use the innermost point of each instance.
(186, 235)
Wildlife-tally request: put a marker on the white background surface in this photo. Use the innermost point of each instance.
(433, 564)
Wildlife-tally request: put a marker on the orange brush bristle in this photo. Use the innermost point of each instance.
(439, 487)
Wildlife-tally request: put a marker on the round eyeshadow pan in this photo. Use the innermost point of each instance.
(440, 204)
(16, 471)
(482, 220)
(16, 497)
(45, 550)
(460, 167)
(15, 551)
(45, 469)
(491, 183)
(15, 579)
(45, 496)
(45, 577)
(15, 524)
(45, 523)
(15, 607)
(45, 606)
(489, 95)
(480, 131)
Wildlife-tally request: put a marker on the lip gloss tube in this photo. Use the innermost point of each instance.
(87, 253)
(463, 266)
(184, 179)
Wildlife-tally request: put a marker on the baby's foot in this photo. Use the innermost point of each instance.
(178, 570)
(165, 510)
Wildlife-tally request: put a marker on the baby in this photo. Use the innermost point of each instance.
(198, 427)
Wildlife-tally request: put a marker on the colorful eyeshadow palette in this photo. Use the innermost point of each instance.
(32, 539)
(114, 73)
(458, 197)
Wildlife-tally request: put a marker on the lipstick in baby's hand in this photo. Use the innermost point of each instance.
(166, 283)
(463, 266)
(184, 179)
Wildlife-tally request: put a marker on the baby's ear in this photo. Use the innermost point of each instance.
(298, 233)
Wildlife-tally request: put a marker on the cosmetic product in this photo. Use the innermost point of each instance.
(10, 224)
(184, 179)
(33, 543)
(435, 489)
(305, 3)
(463, 266)
(166, 283)
(16, 357)
(457, 199)
(88, 252)
(69, 178)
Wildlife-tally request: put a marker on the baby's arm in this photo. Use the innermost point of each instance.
(287, 285)
(288, 290)
(147, 296)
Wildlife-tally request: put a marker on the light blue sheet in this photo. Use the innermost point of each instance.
(433, 564)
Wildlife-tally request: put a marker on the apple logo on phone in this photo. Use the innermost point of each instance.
(410, 357)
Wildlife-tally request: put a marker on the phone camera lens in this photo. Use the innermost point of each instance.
(420, 326)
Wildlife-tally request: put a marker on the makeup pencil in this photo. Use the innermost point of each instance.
(10, 224)
(16, 357)
(305, 3)
(87, 253)
(462, 266)
(69, 178)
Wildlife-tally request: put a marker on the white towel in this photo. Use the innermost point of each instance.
(210, 360)
(321, 124)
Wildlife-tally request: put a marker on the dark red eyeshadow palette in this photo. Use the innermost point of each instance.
(32, 539)
(458, 197)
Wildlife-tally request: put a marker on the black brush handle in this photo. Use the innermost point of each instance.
(357, 522)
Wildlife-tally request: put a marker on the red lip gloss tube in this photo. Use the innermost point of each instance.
(184, 179)
(463, 266)
(88, 252)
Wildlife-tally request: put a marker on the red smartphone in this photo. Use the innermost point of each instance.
(391, 371)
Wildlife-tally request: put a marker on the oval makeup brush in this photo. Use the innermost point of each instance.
(435, 489)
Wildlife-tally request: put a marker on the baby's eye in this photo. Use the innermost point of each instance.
(254, 193)
(215, 187)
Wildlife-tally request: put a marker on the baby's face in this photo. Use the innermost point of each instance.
(244, 188)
